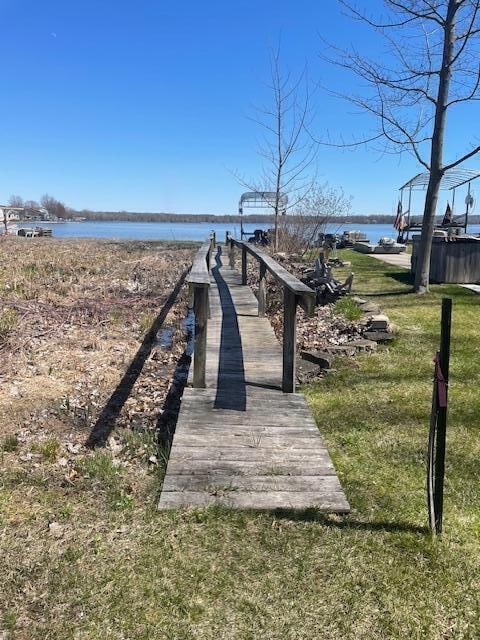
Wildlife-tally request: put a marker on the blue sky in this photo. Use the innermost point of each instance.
(144, 105)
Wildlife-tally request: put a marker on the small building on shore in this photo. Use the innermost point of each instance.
(15, 214)
(9, 214)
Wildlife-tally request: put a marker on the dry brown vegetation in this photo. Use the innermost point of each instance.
(72, 314)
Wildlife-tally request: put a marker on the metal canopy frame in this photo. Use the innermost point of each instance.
(452, 179)
(260, 200)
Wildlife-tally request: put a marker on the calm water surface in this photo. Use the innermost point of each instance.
(191, 231)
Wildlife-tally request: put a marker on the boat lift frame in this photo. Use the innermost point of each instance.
(452, 179)
(260, 200)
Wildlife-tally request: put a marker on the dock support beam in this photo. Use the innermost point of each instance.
(200, 307)
(262, 291)
(289, 340)
(244, 265)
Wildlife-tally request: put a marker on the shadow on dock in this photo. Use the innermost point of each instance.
(231, 387)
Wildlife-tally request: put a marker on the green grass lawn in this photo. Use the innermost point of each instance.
(120, 570)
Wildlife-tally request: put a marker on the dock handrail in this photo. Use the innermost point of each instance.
(199, 282)
(295, 293)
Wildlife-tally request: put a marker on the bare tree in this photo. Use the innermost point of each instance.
(433, 69)
(323, 205)
(54, 207)
(15, 201)
(287, 151)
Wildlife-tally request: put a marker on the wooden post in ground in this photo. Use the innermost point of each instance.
(231, 255)
(227, 238)
(244, 265)
(200, 306)
(289, 340)
(442, 413)
(262, 291)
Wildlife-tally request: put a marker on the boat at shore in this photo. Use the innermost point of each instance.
(384, 245)
(29, 232)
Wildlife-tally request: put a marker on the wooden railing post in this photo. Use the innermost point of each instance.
(199, 281)
(262, 291)
(244, 265)
(231, 255)
(200, 306)
(289, 340)
(227, 238)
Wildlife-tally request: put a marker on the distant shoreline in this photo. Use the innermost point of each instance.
(247, 220)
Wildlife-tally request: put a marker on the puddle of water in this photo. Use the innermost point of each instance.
(189, 324)
(167, 421)
(164, 338)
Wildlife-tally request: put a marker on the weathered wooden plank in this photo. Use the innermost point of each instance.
(199, 273)
(253, 391)
(257, 422)
(223, 409)
(256, 439)
(257, 500)
(252, 454)
(216, 482)
(206, 427)
(251, 467)
(289, 414)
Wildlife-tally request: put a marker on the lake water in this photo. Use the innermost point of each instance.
(192, 231)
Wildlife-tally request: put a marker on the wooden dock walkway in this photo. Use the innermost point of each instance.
(240, 441)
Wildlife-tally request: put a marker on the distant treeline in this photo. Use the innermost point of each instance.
(127, 216)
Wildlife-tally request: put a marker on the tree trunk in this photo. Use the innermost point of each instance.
(422, 272)
(275, 240)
